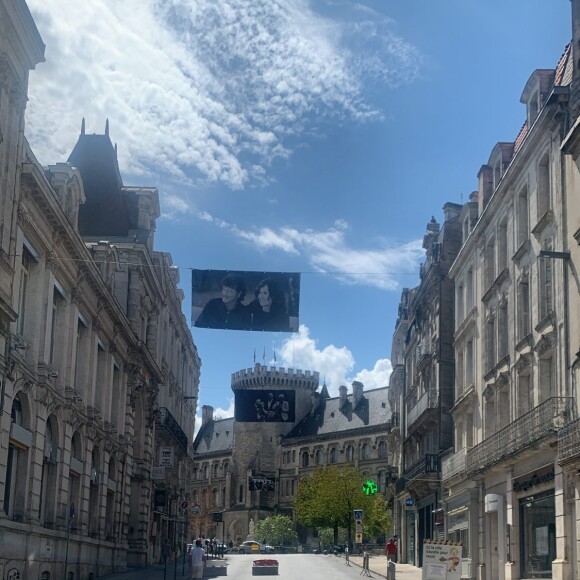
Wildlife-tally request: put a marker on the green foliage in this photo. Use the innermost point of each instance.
(328, 497)
(276, 531)
(326, 536)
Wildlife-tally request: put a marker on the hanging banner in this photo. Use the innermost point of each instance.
(236, 300)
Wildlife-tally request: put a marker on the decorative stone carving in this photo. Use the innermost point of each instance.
(546, 343)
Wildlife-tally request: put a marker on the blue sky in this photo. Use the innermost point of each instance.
(313, 136)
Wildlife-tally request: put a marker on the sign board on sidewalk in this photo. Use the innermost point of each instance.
(441, 561)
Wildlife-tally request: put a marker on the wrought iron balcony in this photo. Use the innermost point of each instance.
(429, 400)
(569, 442)
(539, 423)
(428, 464)
(166, 420)
(453, 465)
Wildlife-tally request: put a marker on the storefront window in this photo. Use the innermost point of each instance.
(538, 535)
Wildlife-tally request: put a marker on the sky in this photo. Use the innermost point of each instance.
(310, 136)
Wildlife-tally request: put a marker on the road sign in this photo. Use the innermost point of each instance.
(195, 509)
(184, 505)
(217, 517)
(358, 537)
(358, 514)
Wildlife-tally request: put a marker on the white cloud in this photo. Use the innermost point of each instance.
(328, 252)
(335, 364)
(205, 90)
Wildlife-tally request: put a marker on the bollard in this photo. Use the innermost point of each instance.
(391, 570)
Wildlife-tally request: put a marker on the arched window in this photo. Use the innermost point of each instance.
(319, 457)
(382, 449)
(215, 469)
(366, 451)
(304, 459)
(350, 453)
(110, 518)
(333, 456)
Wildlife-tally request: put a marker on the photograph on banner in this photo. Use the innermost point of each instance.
(269, 406)
(260, 483)
(237, 300)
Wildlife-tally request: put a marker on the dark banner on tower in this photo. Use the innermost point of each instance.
(261, 483)
(235, 300)
(270, 406)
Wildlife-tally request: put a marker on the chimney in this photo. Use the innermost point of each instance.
(315, 398)
(342, 395)
(206, 414)
(357, 392)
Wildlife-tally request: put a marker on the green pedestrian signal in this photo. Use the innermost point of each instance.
(370, 487)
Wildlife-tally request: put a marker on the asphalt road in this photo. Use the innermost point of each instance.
(293, 566)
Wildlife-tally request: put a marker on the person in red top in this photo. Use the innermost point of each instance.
(391, 550)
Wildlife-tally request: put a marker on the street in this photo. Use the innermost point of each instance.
(291, 566)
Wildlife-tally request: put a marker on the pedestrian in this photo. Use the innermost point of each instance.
(197, 558)
(165, 550)
(391, 550)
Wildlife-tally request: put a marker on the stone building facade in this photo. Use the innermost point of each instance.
(326, 431)
(96, 357)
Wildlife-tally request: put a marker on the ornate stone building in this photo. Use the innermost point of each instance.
(230, 455)
(97, 360)
(510, 487)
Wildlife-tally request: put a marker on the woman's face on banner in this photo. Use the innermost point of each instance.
(264, 297)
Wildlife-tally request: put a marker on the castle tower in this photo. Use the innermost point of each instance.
(269, 402)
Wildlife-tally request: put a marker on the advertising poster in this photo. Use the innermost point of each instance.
(236, 300)
(166, 455)
(441, 561)
(270, 406)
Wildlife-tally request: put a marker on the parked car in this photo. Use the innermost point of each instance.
(267, 549)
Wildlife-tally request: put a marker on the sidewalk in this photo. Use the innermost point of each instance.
(159, 572)
(378, 567)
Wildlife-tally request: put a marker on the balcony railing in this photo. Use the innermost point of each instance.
(453, 465)
(427, 464)
(537, 424)
(569, 442)
(166, 419)
(428, 400)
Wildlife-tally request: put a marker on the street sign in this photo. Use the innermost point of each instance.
(358, 537)
(184, 505)
(195, 509)
(370, 487)
(358, 514)
(217, 517)
(409, 503)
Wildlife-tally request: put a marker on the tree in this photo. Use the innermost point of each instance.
(329, 496)
(276, 530)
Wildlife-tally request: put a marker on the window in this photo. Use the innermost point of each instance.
(25, 272)
(304, 457)
(55, 320)
(546, 377)
(469, 291)
(382, 449)
(502, 246)
(538, 535)
(459, 373)
(523, 313)
(81, 356)
(503, 335)
(350, 453)
(319, 458)
(241, 494)
(469, 363)
(16, 467)
(101, 387)
(523, 218)
(489, 259)
(366, 451)
(490, 342)
(333, 457)
(544, 185)
(546, 285)
(460, 304)
(525, 396)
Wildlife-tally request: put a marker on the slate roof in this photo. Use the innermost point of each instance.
(328, 419)
(215, 437)
(105, 212)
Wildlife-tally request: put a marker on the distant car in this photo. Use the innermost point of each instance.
(248, 547)
(251, 547)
